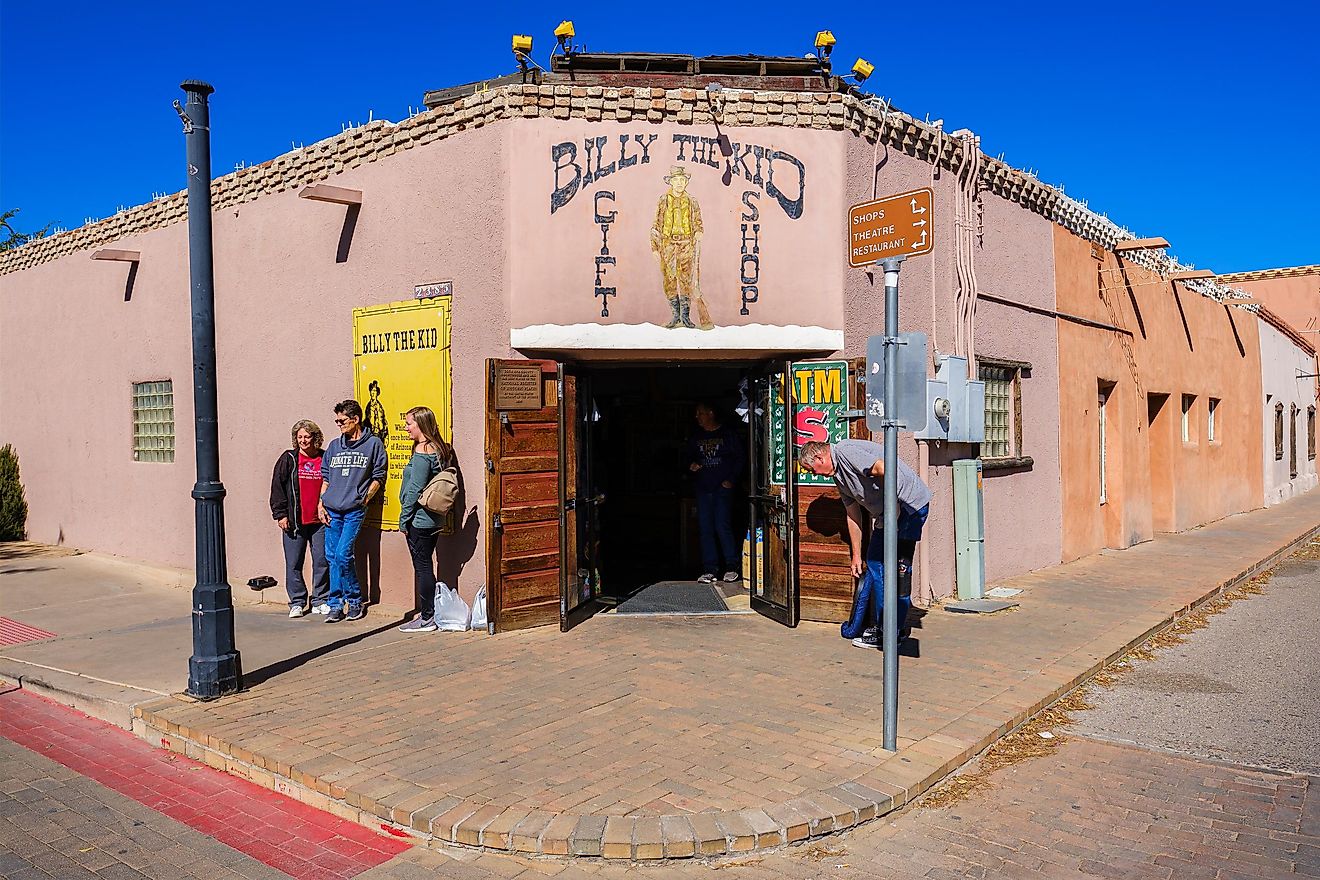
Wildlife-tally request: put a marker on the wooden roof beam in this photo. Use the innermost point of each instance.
(323, 192)
(1140, 244)
(117, 256)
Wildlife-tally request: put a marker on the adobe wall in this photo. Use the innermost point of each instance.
(1014, 261)
(1282, 361)
(1168, 341)
(1295, 299)
(70, 347)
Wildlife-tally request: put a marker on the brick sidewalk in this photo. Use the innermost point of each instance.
(673, 737)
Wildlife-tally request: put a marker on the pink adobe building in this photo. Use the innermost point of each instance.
(563, 247)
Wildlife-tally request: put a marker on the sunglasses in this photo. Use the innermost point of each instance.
(343, 421)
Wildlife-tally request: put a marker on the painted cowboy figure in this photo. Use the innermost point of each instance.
(676, 240)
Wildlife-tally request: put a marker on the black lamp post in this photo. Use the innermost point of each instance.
(214, 669)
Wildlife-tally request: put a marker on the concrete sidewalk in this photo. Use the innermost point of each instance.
(671, 737)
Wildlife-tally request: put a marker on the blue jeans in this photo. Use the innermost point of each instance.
(715, 524)
(340, 536)
(870, 598)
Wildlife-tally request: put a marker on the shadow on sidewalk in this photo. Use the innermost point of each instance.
(279, 667)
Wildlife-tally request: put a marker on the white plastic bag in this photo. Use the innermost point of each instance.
(451, 612)
(479, 610)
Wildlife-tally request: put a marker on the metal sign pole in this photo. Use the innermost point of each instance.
(890, 622)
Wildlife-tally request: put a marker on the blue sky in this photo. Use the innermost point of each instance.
(1176, 119)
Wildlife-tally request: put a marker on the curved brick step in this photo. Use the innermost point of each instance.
(431, 815)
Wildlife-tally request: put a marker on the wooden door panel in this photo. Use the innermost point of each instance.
(523, 543)
(825, 580)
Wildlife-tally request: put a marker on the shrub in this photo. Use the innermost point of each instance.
(13, 506)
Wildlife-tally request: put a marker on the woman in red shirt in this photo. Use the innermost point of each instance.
(295, 489)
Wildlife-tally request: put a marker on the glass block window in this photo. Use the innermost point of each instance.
(153, 421)
(1003, 401)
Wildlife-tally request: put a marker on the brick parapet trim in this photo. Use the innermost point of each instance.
(862, 116)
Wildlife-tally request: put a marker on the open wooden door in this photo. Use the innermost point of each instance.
(524, 510)
(773, 507)
(825, 578)
(580, 537)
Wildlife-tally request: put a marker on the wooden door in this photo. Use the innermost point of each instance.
(773, 508)
(524, 535)
(825, 581)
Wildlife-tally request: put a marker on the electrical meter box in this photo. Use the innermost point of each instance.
(957, 406)
(969, 528)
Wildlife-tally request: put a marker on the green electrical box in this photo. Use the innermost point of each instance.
(969, 528)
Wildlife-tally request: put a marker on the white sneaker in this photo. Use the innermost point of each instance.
(296, 611)
(707, 578)
(323, 608)
(732, 577)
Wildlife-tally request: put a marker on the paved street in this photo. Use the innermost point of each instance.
(1232, 805)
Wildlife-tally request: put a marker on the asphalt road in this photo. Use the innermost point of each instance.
(1245, 689)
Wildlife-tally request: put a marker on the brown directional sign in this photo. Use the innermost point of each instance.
(895, 226)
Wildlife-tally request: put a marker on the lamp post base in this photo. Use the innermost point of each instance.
(210, 678)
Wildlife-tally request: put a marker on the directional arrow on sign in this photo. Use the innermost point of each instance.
(915, 209)
(918, 245)
(920, 223)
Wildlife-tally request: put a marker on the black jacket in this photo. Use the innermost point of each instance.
(284, 499)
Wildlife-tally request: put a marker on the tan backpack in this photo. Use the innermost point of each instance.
(441, 492)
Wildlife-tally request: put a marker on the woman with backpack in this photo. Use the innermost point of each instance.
(295, 490)
(430, 457)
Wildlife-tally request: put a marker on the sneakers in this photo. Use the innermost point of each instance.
(356, 612)
(731, 577)
(707, 578)
(420, 625)
(321, 608)
(871, 638)
(296, 611)
(334, 615)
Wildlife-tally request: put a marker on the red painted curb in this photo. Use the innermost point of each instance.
(288, 835)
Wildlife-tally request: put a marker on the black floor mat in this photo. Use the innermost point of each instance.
(674, 597)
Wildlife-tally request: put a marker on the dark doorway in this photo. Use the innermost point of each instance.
(640, 419)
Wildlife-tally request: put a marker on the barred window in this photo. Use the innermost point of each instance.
(1003, 408)
(1278, 432)
(153, 421)
(1310, 432)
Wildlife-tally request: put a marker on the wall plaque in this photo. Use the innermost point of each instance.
(518, 386)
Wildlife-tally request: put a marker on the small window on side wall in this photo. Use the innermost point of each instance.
(1003, 412)
(1278, 432)
(1212, 421)
(1188, 431)
(153, 421)
(1310, 433)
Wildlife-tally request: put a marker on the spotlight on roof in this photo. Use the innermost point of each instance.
(824, 43)
(564, 34)
(862, 69)
(522, 44)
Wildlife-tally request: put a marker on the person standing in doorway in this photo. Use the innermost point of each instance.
(858, 469)
(295, 491)
(430, 455)
(715, 456)
(352, 472)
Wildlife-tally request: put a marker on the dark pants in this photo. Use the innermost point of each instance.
(870, 600)
(295, 554)
(716, 527)
(421, 544)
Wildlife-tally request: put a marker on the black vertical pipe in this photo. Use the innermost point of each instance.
(214, 669)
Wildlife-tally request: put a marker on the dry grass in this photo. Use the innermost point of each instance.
(1026, 742)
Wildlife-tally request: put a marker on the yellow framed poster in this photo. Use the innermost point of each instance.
(401, 359)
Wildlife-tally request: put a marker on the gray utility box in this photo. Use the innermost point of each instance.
(957, 406)
(969, 528)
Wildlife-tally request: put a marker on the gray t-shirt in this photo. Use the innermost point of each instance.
(852, 465)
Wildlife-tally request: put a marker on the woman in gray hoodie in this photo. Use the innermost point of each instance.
(352, 472)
